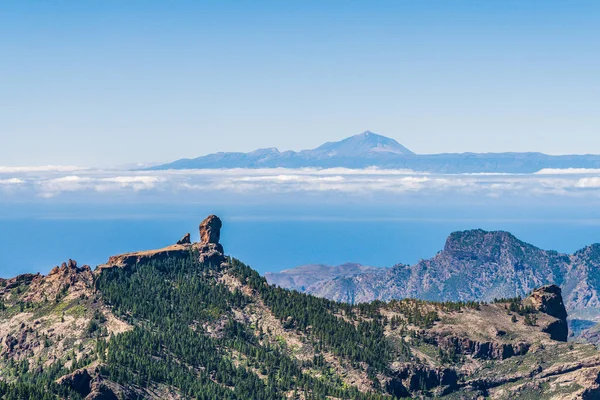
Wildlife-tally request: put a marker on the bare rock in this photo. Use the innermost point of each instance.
(101, 390)
(209, 248)
(78, 381)
(130, 259)
(486, 350)
(185, 240)
(210, 230)
(211, 253)
(93, 386)
(548, 299)
(24, 279)
(410, 377)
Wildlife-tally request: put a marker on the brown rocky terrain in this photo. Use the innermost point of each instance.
(53, 318)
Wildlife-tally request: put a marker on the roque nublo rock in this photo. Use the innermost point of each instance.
(210, 230)
(209, 249)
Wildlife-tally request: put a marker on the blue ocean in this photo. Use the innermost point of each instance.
(35, 242)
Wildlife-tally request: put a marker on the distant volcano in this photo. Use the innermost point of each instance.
(361, 144)
(369, 149)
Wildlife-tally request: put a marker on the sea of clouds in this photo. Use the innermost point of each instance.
(65, 182)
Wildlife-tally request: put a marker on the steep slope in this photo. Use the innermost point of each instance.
(196, 324)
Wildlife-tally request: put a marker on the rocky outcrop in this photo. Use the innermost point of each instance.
(210, 230)
(92, 387)
(209, 248)
(69, 270)
(186, 239)
(409, 378)
(78, 381)
(101, 390)
(130, 259)
(486, 350)
(548, 299)
(61, 281)
(25, 279)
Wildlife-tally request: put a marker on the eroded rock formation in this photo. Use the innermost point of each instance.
(548, 299)
(210, 230)
(211, 251)
(185, 239)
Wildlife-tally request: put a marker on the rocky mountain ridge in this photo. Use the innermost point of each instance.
(187, 322)
(476, 265)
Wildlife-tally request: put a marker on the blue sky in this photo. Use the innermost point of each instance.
(104, 83)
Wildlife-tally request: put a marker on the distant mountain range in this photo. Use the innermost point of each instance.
(369, 149)
(303, 277)
(474, 265)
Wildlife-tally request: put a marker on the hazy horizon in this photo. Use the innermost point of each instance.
(133, 163)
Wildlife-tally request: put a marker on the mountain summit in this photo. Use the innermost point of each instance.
(361, 144)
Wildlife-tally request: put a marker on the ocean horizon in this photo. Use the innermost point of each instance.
(38, 243)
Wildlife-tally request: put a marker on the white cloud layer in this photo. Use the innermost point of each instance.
(53, 182)
(11, 181)
(568, 171)
(590, 183)
(46, 168)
